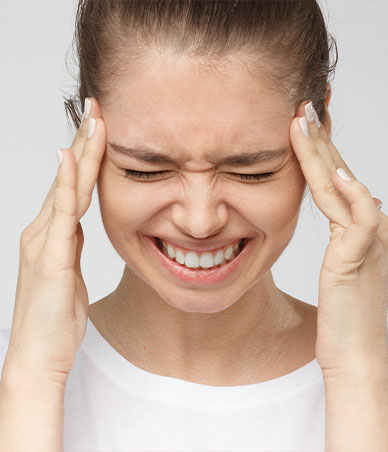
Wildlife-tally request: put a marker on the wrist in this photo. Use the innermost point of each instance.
(361, 370)
(32, 381)
(356, 409)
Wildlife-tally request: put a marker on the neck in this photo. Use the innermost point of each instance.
(200, 347)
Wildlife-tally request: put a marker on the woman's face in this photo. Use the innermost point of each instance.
(196, 119)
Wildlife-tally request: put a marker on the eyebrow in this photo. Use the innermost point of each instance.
(147, 154)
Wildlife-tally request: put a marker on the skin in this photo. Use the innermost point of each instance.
(350, 334)
(157, 322)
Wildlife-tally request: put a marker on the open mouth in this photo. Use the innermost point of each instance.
(201, 269)
(204, 260)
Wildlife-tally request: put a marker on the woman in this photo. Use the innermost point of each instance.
(203, 125)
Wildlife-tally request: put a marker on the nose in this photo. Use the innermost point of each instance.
(201, 210)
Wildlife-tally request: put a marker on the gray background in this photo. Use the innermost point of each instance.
(35, 37)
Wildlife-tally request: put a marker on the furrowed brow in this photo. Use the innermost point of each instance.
(147, 154)
(251, 158)
(143, 153)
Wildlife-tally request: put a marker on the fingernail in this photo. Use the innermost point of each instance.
(316, 119)
(311, 114)
(59, 157)
(380, 206)
(304, 127)
(343, 174)
(87, 106)
(92, 125)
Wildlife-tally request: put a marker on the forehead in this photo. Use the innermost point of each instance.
(186, 107)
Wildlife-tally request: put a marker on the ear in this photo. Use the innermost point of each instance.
(327, 123)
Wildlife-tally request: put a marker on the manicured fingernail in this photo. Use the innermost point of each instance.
(87, 106)
(304, 127)
(316, 119)
(311, 114)
(343, 174)
(92, 125)
(59, 157)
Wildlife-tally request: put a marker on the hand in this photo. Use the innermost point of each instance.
(353, 283)
(51, 306)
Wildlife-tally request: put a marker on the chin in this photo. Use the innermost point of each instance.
(197, 302)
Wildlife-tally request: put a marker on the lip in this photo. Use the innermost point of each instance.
(200, 277)
(212, 248)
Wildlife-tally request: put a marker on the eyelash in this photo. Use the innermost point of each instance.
(150, 175)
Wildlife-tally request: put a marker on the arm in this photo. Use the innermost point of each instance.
(357, 411)
(31, 414)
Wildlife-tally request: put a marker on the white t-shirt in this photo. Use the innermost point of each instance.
(112, 405)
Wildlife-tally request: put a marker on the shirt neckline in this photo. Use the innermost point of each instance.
(141, 383)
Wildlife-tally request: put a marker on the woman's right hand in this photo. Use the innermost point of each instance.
(51, 305)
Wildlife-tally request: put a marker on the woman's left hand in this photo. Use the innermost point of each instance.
(353, 282)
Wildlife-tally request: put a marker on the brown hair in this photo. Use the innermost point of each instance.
(286, 37)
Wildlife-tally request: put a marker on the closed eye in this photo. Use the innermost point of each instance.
(153, 174)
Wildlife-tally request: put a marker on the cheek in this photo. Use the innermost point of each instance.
(275, 210)
(274, 207)
(125, 206)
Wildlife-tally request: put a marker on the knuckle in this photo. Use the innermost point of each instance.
(361, 188)
(373, 223)
(25, 238)
(329, 189)
(29, 253)
(62, 186)
(65, 207)
(53, 260)
(58, 211)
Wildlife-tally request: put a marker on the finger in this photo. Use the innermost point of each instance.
(326, 146)
(382, 232)
(41, 219)
(378, 203)
(320, 143)
(60, 243)
(334, 160)
(357, 237)
(326, 149)
(317, 173)
(89, 166)
(91, 108)
(77, 147)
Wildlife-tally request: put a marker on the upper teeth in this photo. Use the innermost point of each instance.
(193, 259)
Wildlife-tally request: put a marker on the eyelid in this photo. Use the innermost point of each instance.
(149, 175)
